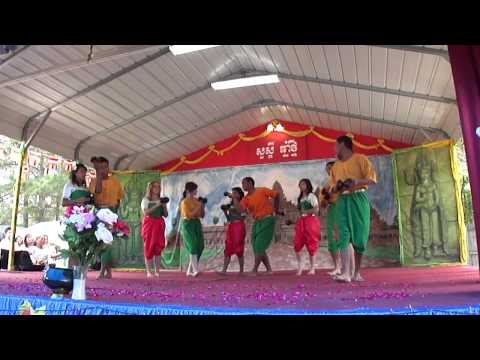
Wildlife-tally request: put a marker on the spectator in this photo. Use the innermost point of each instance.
(40, 252)
(5, 243)
(4, 246)
(38, 239)
(19, 244)
(28, 243)
(46, 253)
(54, 254)
(24, 259)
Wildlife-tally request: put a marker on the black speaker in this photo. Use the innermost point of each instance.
(58, 279)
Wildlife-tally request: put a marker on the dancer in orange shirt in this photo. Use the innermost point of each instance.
(257, 203)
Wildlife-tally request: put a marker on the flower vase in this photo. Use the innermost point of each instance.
(79, 282)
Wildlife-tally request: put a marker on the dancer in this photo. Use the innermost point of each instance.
(257, 203)
(192, 210)
(328, 201)
(107, 192)
(154, 210)
(351, 175)
(307, 229)
(75, 192)
(235, 240)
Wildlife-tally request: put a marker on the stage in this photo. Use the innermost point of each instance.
(420, 290)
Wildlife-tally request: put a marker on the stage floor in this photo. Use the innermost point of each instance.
(384, 288)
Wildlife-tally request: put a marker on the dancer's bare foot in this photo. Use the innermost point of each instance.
(299, 272)
(195, 274)
(157, 273)
(358, 277)
(311, 272)
(149, 275)
(222, 273)
(334, 272)
(100, 276)
(342, 278)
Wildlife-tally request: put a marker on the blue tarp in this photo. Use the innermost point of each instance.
(9, 305)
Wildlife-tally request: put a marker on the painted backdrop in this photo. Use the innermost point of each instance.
(284, 177)
(431, 215)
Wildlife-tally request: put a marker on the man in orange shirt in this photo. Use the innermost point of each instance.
(352, 207)
(257, 203)
(107, 193)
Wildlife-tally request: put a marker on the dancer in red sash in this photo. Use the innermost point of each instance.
(153, 227)
(307, 229)
(235, 241)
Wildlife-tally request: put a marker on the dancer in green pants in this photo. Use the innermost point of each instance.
(352, 214)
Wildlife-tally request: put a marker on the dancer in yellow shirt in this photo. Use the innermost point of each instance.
(352, 207)
(107, 193)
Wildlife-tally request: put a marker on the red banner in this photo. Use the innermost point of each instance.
(295, 143)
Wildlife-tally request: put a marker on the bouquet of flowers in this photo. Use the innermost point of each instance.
(88, 231)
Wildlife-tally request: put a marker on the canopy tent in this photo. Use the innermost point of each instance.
(140, 105)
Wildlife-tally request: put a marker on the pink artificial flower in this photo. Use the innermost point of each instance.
(88, 219)
(69, 211)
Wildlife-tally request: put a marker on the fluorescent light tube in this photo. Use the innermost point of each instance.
(185, 49)
(248, 81)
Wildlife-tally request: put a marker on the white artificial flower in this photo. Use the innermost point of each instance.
(103, 234)
(107, 216)
(76, 219)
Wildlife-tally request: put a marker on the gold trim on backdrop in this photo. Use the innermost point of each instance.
(120, 172)
(463, 247)
(298, 134)
(458, 196)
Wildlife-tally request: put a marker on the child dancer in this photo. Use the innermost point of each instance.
(235, 241)
(192, 210)
(153, 227)
(307, 229)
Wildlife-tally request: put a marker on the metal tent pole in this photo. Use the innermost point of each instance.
(18, 184)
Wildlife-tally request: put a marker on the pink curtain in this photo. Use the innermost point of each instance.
(465, 61)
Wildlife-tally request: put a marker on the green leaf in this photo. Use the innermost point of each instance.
(66, 253)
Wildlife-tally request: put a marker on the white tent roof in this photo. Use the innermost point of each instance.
(140, 105)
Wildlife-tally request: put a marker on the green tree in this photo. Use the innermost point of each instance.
(41, 192)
